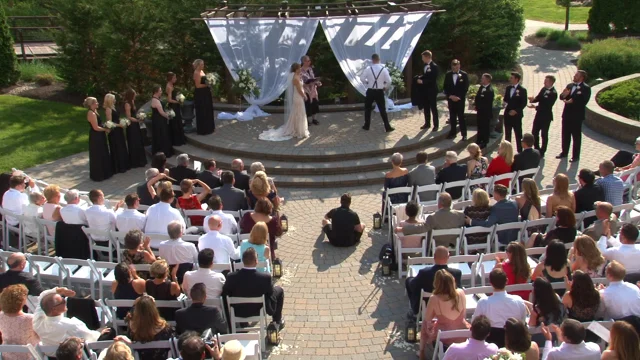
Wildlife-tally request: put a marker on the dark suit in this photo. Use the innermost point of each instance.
(241, 180)
(12, 277)
(232, 198)
(424, 281)
(180, 173)
(546, 98)
(456, 109)
(209, 178)
(572, 117)
(429, 92)
(484, 107)
(199, 318)
(586, 196)
(143, 194)
(451, 173)
(517, 103)
(502, 212)
(525, 160)
(252, 283)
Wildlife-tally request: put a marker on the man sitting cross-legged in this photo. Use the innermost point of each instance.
(342, 225)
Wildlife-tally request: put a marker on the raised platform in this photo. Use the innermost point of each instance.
(338, 152)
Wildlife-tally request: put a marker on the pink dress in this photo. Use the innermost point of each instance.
(17, 330)
(430, 330)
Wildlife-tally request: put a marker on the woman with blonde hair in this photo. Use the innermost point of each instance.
(501, 164)
(161, 288)
(624, 343)
(16, 327)
(260, 188)
(51, 209)
(477, 165)
(118, 351)
(561, 196)
(145, 325)
(100, 165)
(117, 141)
(529, 201)
(585, 256)
(203, 102)
(258, 239)
(448, 305)
(190, 201)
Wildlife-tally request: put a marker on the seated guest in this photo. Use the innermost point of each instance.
(212, 280)
(611, 184)
(528, 158)
(444, 218)
(529, 201)
(255, 168)
(581, 299)
(70, 349)
(16, 327)
(499, 307)
(588, 193)
(397, 177)
(98, 216)
(127, 286)
(34, 209)
(626, 251)
(152, 175)
(547, 307)
(208, 174)
(15, 274)
(229, 223)
(182, 171)
(516, 267)
(247, 282)
(620, 298)
(634, 162)
(604, 211)
(178, 252)
(624, 343)
(190, 201)
(264, 212)
(423, 174)
(137, 248)
(73, 213)
(561, 196)
(241, 179)
(342, 225)
(161, 288)
(159, 161)
(198, 317)
(233, 198)
(452, 171)
(222, 245)
(258, 241)
(565, 229)
(51, 209)
(517, 339)
(145, 324)
(502, 212)
(16, 198)
(425, 278)
(160, 214)
(478, 210)
(411, 211)
(260, 188)
(475, 347)
(130, 218)
(586, 257)
(572, 335)
(555, 265)
(477, 164)
(119, 350)
(501, 164)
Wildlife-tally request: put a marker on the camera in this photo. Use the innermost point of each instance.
(208, 337)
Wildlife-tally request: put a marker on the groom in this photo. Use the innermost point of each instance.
(376, 78)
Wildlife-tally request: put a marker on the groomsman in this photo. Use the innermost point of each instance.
(376, 78)
(484, 108)
(516, 99)
(544, 113)
(575, 96)
(429, 91)
(456, 85)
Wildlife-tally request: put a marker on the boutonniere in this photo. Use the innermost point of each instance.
(546, 96)
(547, 92)
(517, 92)
(579, 92)
(578, 87)
(481, 95)
(460, 80)
(484, 89)
(428, 69)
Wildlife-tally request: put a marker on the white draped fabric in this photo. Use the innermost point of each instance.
(267, 47)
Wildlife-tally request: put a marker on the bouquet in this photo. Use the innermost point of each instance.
(110, 124)
(141, 116)
(212, 79)
(397, 80)
(170, 113)
(180, 98)
(504, 354)
(472, 92)
(246, 84)
(125, 122)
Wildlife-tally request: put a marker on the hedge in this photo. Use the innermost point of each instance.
(614, 16)
(611, 58)
(8, 62)
(622, 99)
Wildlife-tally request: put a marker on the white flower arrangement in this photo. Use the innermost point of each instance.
(110, 124)
(397, 79)
(141, 116)
(180, 98)
(212, 79)
(504, 354)
(125, 122)
(170, 113)
(246, 84)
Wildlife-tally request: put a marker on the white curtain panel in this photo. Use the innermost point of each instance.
(266, 47)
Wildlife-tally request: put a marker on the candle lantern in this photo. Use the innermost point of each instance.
(377, 221)
(284, 223)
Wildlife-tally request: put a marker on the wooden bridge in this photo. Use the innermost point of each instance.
(33, 36)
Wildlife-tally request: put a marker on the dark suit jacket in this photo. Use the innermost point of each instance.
(12, 277)
(199, 318)
(545, 100)
(232, 198)
(209, 178)
(424, 281)
(429, 79)
(452, 173)
(143, 194)
(586, 196)
(182, 172)
(527, 159)
(518, 102)
(71, 242)
(241, 180)
(502, 212)
(484, 99)
(248, 283)
(458, 89)
(576, 110)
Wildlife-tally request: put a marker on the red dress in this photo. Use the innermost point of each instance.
(511, 280)
(192, 203)
(499, 166)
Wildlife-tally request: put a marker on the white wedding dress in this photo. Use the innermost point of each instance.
(295, 117)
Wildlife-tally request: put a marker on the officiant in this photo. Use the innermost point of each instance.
(310, 87)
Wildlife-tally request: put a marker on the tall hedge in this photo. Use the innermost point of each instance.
(614, 16)
(8, 62)
(611, 58)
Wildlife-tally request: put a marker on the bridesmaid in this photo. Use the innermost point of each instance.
(205, 123)
(135, 141)
(175, 124)
(161, 140)
(99, 158)
(117, 141)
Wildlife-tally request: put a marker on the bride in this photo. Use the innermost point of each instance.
(294, 113)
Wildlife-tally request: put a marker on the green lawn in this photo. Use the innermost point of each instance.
(33, 132)
(548, 11)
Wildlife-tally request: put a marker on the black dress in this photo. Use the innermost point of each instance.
(162, 292)
(99, 158)
(177, 130)
(205, 123)
(135, 143)
(118, 146)
(161, 141)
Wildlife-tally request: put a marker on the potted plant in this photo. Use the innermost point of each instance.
(497, 106)
(471, 96)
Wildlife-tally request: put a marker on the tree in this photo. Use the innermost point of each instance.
(8, 62)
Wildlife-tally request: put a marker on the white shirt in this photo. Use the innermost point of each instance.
(221, 245)
(30, 226)
(368, 77)
(55, 329)
(14, 200)
(159, 216)
(73, 214)
(501, 306)
(211, 279)
(130, 219)
(455, 78)
(575, 87)
(582, 351)
(626, 254)
(229, 223)
(178, 252)
(621, 299)
(100, 218)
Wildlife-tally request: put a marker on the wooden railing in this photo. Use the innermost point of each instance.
(29, 34)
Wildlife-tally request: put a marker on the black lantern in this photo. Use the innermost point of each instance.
(386, 265)
(284, 223)
(410, 331)
(377, 221)
(277, 268)
(273, 336)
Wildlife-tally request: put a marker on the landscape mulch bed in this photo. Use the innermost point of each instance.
(546, 44)
(54, 92)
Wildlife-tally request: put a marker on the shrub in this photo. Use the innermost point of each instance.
(568, 43)
(543, 32)
(611, 58)
(30, 70)
(580, 35)
(622, 99)
(614, 16)
(555, 35)
(45, 79)
(8, 61)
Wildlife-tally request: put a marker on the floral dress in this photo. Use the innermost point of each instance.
(479, 171)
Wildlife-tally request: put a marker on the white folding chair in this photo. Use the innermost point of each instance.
(547, 223)
(461, 205)
(96, 347)
(171, 304)
(235, 214)
(456, 184)
(485, 182)
(188, 213)
(496, 178)
(106, 275)
(535, 251)
(20, 349)
(250, 342)
(31, 223)
(221, 267)
(143, 208)
(46, 268)
(261, 264)
(80, 272)
(478, 230)
(429, 191)
(48, 237)
(156, 239)
(412, 244)
(458, 233)
(96, 235)
(394, 191)
(630, 182)
(8, 229)
(624, 210)
(117, 240)
(243, 212)
(438, 352)
(241, 238)
(153, 345)
(112, 306)
(519, 226)
(260, 318)
(530, 173)
(580, 218)
(486, 264)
